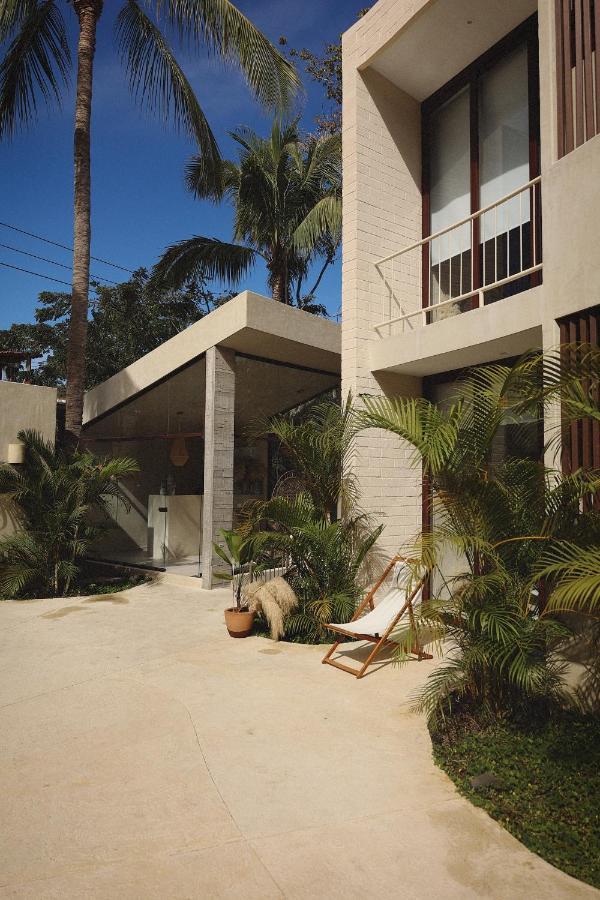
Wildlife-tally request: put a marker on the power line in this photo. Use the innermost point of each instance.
(39, 274)
(51, 261)
(63, 246)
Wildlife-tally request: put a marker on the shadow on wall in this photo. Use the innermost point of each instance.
(582, 658)
(8, 518)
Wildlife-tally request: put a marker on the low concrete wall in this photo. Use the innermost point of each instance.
(23, 406)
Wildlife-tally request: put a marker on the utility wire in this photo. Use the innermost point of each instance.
(39, 274)
(63, 246)
(52, 262)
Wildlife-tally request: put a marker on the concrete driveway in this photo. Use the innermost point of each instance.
(145, 754)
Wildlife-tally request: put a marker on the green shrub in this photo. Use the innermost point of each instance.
(58, 499)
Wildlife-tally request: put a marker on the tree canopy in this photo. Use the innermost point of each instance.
(126, 321)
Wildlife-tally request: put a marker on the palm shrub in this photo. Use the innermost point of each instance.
(239, 554)
(55, 499)
(498, 517)
(319, 535)
(319, 442)
(323, 559)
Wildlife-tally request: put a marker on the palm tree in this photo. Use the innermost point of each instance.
(36, 66)
(287, 202)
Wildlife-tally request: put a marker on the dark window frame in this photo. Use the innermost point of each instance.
(525, 33)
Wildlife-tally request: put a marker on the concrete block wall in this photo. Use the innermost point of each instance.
(22, 407)
(382, 212)
(219, 418)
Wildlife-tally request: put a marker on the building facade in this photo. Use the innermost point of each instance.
(471, 155)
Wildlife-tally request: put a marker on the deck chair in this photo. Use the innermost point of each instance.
(377, 624)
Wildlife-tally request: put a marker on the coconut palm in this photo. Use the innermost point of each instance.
(286, 197)
(36, 66)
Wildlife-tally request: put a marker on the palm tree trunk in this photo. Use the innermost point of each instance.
(278, 276)
(88, 13)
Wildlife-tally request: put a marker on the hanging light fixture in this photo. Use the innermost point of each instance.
(179, 452)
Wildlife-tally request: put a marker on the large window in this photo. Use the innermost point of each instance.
(480, 151)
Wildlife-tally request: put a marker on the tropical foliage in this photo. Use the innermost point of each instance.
(239, 554)
(317, 535)
(57, 502)
(497, 518)
(36, 64)
(286, 197)
(126, 321)
(318, 443)
(571, 380)
(323, 559)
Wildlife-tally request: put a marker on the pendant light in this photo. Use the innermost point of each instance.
(179, 452)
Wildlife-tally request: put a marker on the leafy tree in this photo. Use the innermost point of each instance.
(36, 66)
(53, 498)
(126, 321)
(326, 70)
(287, 205)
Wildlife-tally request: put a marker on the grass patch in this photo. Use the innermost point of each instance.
(550, 774)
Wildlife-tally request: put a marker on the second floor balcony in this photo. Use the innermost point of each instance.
(480, 192)
(489, 255)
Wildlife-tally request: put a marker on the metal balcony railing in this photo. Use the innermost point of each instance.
(486, 256)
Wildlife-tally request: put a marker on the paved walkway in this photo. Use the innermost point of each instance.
(144, 754)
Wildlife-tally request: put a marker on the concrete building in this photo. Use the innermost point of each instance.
(185, 413)
(471, 205)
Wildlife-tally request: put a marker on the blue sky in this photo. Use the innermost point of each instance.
(139, 203)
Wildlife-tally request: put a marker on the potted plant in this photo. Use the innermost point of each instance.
(238, 555)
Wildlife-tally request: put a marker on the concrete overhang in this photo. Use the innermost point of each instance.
(507, 328)
(249, 324)
(442, 38)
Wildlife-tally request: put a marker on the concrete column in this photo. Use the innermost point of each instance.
(219, 414)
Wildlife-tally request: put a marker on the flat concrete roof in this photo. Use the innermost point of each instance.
(249, 324)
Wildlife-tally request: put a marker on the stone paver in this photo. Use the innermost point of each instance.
(145, 754)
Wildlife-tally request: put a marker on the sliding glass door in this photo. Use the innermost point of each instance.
(480, 149)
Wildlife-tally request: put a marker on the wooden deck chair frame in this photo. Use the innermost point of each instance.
(382, 641)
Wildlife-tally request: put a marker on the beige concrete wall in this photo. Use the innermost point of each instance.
(382, 172)
(382, 214)
(23, 406)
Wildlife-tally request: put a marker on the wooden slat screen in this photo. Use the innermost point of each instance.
(581, 440)
(577, 72)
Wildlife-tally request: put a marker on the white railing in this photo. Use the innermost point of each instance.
(464, 262)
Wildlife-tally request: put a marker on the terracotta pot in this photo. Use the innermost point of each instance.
(239, 622)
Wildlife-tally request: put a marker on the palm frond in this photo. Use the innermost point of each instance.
(325, 217)
(156, 79)
(212, 182)
(205, 258)
(218, 23)
(12, 14)
(574, 573)
(36, 63)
